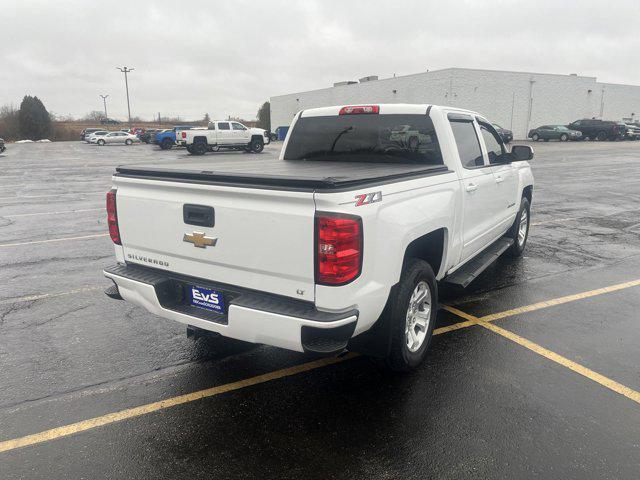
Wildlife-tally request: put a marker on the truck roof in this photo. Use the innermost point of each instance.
(385, 109)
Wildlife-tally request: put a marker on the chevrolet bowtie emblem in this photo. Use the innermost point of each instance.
(199, 240)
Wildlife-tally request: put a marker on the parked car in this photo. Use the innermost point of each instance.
(633, 131)
(167, 138)
(225, 135)
(554, 132)
(117, 137)
(147, 135)
(594, 129)
(86, 132)
(93, 138)
(109, 121)
(338, 244)
(506, 135)
(2, 146)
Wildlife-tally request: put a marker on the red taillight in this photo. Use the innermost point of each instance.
(184, 134)
(359, 110)
(338, 248)
(112, 217)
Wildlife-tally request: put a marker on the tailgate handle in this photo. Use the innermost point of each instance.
(199, 215)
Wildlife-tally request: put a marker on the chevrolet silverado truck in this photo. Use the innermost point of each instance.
(338, 244)
(226, 134)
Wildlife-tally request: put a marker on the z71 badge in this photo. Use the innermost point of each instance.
(367, 198)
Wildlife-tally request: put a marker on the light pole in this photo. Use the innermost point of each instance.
(126, 70)
(104, 100)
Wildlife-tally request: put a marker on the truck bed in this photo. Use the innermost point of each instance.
(258, 172)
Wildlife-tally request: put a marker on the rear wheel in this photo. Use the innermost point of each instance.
(535, 137)
(256, 145)
(412, 314)
(100, 142)
(200, 148)
(519, 231)
(166, 144)
(564, 137)
(601, 136)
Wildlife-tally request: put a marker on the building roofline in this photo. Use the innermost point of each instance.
(452, 69)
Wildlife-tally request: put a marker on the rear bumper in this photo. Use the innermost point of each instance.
(251, 316)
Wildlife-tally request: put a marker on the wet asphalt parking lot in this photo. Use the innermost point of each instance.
(534, 371)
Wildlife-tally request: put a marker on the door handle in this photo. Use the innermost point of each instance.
(471, 187)
(499, 179)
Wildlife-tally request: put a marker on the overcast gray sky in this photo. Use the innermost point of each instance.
(227, 57)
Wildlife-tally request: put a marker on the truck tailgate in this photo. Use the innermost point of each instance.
(263, 238)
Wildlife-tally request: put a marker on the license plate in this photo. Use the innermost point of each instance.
(207, 299)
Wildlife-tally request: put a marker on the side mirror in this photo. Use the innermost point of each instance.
(521, 153)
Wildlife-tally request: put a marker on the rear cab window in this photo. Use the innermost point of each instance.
(464, 133)
(380, 138)
(223, 126)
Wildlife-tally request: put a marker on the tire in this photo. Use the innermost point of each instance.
(128, 141)
(190, 149)
(520, 236)
(256, 145)
(564, 137)
(166, 144)
(200, 148)
(417, 276)
(601, 136)
(100, 142)
(535, 137)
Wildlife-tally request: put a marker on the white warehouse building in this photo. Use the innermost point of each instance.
(517, 101)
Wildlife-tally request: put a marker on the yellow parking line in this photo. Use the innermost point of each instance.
(470, 320)
(50, 195)
(560, 300)
(54, 240)
(100, 421)
(451, 328)
(31, 298)
(554, 357)
(53, 213)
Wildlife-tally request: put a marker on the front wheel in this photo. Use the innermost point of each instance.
(519, 231)
(601, 136)
(128, 141)
(412, 314)
(101, 142)
(563, 137)
(166, 144)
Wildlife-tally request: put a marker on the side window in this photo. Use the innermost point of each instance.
(495, 150)
(212, 126)
(237, 126)
(223, 126)
(468, 144)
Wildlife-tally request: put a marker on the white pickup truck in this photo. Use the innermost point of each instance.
(338, 244)
(225, 134)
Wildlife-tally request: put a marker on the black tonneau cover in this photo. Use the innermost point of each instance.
(259, 172)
